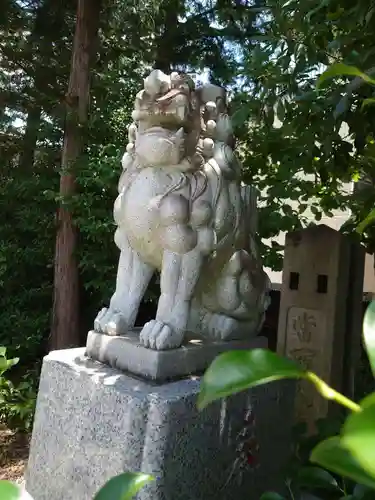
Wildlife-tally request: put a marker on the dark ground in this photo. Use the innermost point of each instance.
(14, 450)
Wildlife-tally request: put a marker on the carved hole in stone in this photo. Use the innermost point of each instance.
(322, 283)
(293, 281)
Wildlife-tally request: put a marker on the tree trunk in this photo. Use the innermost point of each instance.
(30, 138)
(66, 314)
(29, 142)
(165, 43)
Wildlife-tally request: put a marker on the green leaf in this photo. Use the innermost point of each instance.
(369, 219)
(340, 69)
(315, 477)
(3, 351)
(5, 364)
(271, 495)
(370, 101)
(322, 4)
(332, 455)
(288, 210)
(236, 371)
(12, 362)
(123, 487)
(361, 492)
(240, 116)
(358, 435)
(369, 334)
(9, 491)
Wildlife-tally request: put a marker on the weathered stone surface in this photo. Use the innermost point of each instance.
(93, 422)
(127, 354)
(321, 312)
(182, 210)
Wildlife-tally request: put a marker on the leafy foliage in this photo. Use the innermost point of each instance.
(306, 144)
(122, 487)
(29, 191)
(242, 370)
(350, 454)
(36, 43)
(290, 135)
(17, 401)
(9, 491)
(298, 143)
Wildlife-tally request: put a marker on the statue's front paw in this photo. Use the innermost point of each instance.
(159, 336)
(110, 322)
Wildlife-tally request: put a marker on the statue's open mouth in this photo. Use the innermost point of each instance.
(156, 130)
(165, 132)
(167, 98)
(201, 221)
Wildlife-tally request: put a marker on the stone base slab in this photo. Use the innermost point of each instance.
(93, 422)
(126, 354)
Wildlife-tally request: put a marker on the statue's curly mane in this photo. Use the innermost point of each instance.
(182, 210)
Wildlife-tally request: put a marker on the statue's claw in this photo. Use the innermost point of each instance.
(98, 320)
(220, 326)
(110, 322)
(159, 336)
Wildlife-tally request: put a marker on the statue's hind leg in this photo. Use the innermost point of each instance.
(179, 276)
(220, 327)
(133, 277)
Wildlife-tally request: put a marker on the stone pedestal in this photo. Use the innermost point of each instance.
(193, 357)
(93, 422)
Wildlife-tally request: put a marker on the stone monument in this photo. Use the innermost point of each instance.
(181, 210)
(320, 319)
(128, 402)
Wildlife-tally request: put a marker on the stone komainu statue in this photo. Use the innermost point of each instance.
(182, 210)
